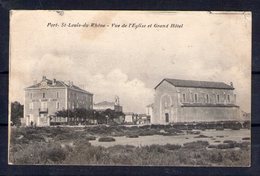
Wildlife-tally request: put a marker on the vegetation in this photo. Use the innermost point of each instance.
(106, 139)
(88, 116)
(16, 113)
(56, 145)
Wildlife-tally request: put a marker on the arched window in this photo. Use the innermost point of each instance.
(196, 98)
(217, 98)
(184, 97)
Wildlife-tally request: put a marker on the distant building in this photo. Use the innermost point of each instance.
(44, 99)
(104, 105)
(149, 111)
(129, 117)
(143, 119)
(194, 101)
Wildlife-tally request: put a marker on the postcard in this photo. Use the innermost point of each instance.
(130, 88)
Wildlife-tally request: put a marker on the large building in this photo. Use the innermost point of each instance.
(193, 101)
(104, 105)
(44, 99)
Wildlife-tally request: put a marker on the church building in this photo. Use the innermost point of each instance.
(193, 101)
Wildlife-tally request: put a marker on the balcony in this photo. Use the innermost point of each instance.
(43, 110)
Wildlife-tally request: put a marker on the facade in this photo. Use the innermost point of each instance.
(193, 101)
(104, 105)
(44, 99)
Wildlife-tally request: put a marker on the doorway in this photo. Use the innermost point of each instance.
(166, 117)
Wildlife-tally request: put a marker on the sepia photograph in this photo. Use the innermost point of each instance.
(130, 88)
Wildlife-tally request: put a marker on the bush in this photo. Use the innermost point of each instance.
(246, 138)
(225, 146)
(216, 157)
(201, 136)
(132, 136)
(90, 138)
(106, 139)
(172, 147)
(196, 144)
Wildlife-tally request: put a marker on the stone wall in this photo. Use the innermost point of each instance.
(208, 114)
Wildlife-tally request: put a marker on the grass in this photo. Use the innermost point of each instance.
(68, 146)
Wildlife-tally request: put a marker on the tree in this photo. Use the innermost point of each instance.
(16, 113)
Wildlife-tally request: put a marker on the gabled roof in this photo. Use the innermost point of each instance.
(207, 105)
(58, 84)
(105, 103)
(196, 84)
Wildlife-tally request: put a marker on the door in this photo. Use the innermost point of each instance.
(166, 117)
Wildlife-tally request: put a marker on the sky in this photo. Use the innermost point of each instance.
(130, 62)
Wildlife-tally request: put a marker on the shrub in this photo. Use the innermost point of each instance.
(193, 132)
(220, 136)
(225, 146)
(246, 138)
(90, 138)
(196, 144)
(132, 136)
(201, 136)
(172, 146)
(106, 139)
(216, 157)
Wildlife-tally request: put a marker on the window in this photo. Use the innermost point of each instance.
(43, 95)
(217, 98)
(57, 94)
(31, 95)
(196, 98)
(57, 105)
(183, 97)
(228, 98)
(207, 98)
(31, 105)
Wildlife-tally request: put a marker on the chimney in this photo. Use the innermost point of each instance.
(43, 78)
(231, 84)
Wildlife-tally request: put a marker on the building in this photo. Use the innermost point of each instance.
(193, 101)
(143, 119)
(104, 105)
(149, 111)
(44, 99)
(129, 117)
